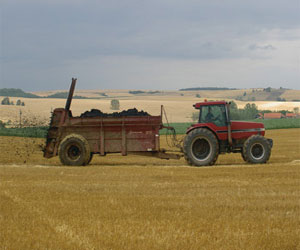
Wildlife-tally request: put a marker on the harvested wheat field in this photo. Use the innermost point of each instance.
(146, 203)
(178, 108)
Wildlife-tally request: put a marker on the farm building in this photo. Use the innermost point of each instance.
(291, 115)
(273, 116)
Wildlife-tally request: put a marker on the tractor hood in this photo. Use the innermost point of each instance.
(248, 126)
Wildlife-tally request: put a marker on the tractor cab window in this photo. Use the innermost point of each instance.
(213, 114)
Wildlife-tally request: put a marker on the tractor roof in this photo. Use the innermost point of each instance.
(209, 103)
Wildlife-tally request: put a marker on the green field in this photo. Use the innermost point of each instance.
(41, 132)
(34, 132)
(269, 124)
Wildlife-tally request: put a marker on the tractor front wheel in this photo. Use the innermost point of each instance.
(74, 150)
(256, 149)
(201, 147)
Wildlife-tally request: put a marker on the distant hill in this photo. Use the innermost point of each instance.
(206, 88)
(64, 95)
(17, 93)
(137, 92)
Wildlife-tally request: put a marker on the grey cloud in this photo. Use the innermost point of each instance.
(46, 35)
(261, 47)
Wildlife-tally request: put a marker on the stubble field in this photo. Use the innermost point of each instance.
(179, 108)
(146, 203)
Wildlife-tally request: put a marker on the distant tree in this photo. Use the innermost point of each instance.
(136, 92)
(268, 89)
(23, 104)
(253, 98)
(244, 94)
(253, 90)
(198, 95)
(250, 110)
(2, 124)
(233, 106)
(115, 104)
(5, 101)
(279, 99)
(181, 94)
(234, 111)
(19, 103)
(195, 116)
(296, 110)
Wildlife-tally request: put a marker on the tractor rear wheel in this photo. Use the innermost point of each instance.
(201, 147)
(74, 150)
(256, 149)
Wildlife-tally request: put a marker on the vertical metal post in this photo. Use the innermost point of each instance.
(227, 110)
(20, 118)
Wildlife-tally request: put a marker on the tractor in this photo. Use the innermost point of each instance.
(216, 134)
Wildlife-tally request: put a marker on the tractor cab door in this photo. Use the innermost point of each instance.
(215, 114)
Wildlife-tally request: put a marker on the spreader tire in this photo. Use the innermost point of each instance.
(74, 150)
(256, 149)
(201, 147)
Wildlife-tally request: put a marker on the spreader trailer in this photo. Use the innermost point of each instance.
(76, 139)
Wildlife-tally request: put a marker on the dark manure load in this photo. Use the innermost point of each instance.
(99, 113)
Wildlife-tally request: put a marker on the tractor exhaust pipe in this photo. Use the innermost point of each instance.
(71, 92)
(228, 125)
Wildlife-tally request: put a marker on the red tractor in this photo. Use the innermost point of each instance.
(216, 134)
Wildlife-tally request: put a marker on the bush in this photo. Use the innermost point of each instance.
(2, 124)
(136, 92)
(5, 101)
(115, 104)
(195, 116)
(198, 95)
(279, 99)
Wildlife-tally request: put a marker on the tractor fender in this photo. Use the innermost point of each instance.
(207, 126)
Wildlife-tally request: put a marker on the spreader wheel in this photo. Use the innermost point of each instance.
(74, 150)
(201, 147)
(256, 149)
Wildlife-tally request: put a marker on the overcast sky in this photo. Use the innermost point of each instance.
(153, 44)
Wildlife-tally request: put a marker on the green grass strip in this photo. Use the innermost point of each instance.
(34, 132)
(269, 124)
(41, 132)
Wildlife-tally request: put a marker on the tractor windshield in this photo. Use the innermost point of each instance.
(213, 114)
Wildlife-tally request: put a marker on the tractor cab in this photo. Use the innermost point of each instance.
(214, 112)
